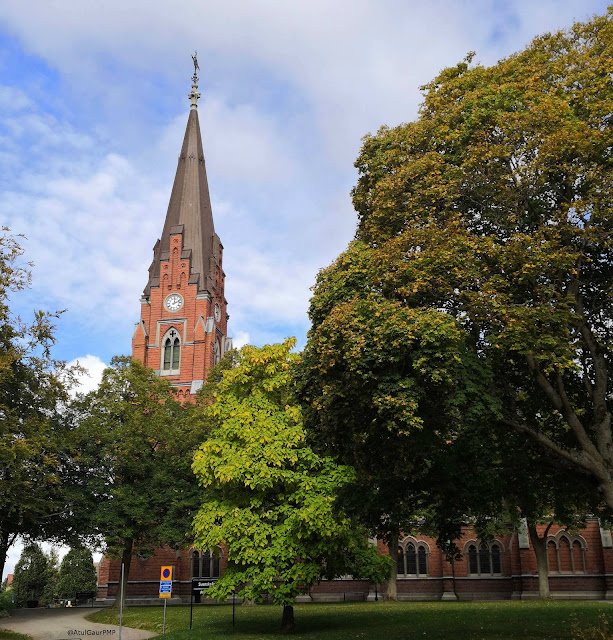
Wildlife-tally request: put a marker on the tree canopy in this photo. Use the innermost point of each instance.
(270, 498)
(37, 449)
(478, 289)
(142, 444)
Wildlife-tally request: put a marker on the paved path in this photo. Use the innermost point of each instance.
(67, 624)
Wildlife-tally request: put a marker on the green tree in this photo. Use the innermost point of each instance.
(36, 444)
(53, 570)
(384, 387)
(77, 573)
(141, 443)
(490, 216)
(270, 498)
(31, 575)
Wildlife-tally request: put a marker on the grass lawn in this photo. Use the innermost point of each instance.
(11, 635)
(376, 621)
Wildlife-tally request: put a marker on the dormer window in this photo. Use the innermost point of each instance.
(171, 354)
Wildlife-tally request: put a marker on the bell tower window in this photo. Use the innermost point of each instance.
(171, 354)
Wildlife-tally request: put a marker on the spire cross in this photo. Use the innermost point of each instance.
(194, 95)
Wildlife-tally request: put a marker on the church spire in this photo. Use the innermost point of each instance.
(190, 208)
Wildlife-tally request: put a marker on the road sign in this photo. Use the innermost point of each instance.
(165, 582)
(201, 584)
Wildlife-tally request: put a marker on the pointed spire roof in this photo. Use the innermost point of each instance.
(190, 206)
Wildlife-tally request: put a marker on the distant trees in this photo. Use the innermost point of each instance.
(77, 573)
(31, 575)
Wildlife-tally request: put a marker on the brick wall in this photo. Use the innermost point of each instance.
(518, 578)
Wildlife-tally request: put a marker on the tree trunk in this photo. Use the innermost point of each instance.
(126, 558)
(392, 592)
(540, 551)
(287, 621)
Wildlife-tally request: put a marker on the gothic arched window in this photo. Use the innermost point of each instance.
(566, 553)
(422, 561)
(171, 353)
(217, 351)
(413, 558)
(206, 564)
(485, 564)
(486, 559)
(473, 562)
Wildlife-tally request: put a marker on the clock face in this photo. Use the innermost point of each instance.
(173, 302)
(217, 312)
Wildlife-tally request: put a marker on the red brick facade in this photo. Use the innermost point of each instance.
(592, 577)
(197, 324)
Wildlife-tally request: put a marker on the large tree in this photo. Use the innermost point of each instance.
(384, 387)
(37, 447)
(492, 215)
(270, 498)
(142, 443)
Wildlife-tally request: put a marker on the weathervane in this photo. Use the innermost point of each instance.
(194, 95)
(196, 67)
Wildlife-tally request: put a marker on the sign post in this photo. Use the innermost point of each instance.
(198, 586)
(165, 590)
(121, 601)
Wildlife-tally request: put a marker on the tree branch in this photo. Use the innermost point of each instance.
(578, 459)
(542, 382)
(561, 403)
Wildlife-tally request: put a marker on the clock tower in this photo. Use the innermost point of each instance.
(182, 330)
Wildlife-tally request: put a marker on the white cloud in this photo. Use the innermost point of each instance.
(90, 138)
(90, 378)
(240, 340)
(12, 99)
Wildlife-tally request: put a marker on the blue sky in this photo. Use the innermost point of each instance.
(93, 103)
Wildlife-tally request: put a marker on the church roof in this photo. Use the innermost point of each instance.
(189, 206)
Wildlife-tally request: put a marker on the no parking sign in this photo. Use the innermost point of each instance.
(165, 582)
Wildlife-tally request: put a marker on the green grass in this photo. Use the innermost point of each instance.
(5, 634)
(376, 621)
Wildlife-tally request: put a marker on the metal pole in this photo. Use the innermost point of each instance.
(121, 601)
(191, 606)
(164, 621)
(233, 606)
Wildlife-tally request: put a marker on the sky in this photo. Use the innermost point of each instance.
(93, 108)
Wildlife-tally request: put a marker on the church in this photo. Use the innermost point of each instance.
(182, 333)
